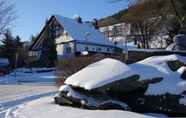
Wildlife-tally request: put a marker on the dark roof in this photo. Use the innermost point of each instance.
(37, 38)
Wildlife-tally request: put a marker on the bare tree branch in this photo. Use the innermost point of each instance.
(6, 15)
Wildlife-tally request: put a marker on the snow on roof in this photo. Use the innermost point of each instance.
(99, 74)
(82, 32)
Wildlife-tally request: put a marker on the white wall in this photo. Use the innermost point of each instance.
(63, 50)
(64, 38)
(93, 48)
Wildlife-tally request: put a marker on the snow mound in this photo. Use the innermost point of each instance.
(99, 74)
(155, 67)
(157, 60)
(43, 108)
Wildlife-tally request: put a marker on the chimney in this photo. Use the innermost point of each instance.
(78, 19)
(95, 23)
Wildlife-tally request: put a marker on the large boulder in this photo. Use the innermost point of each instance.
(175, 65)
(99, 74)
(182, 72)
(179, 43)
(155, 84)
(123, 86)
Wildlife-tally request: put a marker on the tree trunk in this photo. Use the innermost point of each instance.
(177, 13)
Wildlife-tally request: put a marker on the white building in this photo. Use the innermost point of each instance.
(71, 37)
(117, 32)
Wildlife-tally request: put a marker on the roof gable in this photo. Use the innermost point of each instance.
(82, 32)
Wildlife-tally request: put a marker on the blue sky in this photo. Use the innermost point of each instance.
(31, 14)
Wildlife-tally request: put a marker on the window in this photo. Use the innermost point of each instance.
(68, 50)
(57, 31)
(108, 49)
(98, 49)
(86, 48)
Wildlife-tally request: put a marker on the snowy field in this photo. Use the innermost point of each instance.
(28, 94)
(24, 75)
(24, 85)
(14, 95)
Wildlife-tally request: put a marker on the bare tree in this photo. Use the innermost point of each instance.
(6, 15)
(146, 18)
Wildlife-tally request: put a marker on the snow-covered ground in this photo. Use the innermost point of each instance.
(16, 100)
(45, 108)
(23, 96)
(23, 86)
(13, 95)
(24, 75)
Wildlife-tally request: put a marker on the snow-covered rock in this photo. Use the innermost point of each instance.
(109, 71)
(183, 100)
(158, 79)
(182, 72)
(86, 99)
(99, 74)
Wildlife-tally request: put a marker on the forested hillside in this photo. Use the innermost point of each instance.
(113, 19)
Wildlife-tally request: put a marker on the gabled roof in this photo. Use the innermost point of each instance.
(82, 32)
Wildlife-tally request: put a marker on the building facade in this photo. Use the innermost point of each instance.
(71, 38)
(117, 33)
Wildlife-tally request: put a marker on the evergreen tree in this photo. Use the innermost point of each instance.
(52, 53)
(33, 38)
(18, 43)
(8, 48)
(19, 60)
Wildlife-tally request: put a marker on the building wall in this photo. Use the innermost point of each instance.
(93, 48)
(65, 46)
(117, 32)
(65, 50)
